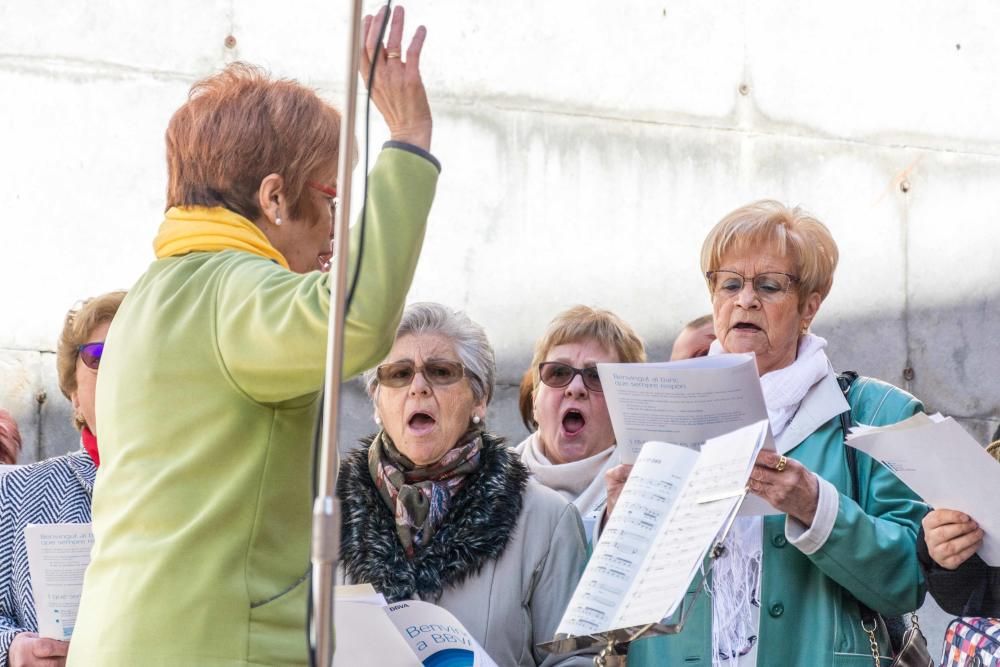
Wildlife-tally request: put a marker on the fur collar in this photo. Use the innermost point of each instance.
(476, 530)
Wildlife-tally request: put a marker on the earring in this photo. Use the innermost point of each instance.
(378, 420)
(277, 221)
(476, 419)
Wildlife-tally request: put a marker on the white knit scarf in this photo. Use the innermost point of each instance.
(580, 482)
(736, 576)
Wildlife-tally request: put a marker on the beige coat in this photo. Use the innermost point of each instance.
(504, 562)
(518, 600)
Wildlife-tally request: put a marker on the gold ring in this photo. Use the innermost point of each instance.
(392, 54)
(782, 462)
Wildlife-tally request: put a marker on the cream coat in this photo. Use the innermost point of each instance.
(517, 601)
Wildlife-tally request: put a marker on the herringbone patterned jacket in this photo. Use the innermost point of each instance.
(57, 490)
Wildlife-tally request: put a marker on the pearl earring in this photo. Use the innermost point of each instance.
(277, 221)
(476, 419)
(378, 420)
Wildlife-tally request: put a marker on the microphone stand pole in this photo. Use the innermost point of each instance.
(326, 513)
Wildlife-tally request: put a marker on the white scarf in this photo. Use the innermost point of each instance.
(736, 576)
(580, 482)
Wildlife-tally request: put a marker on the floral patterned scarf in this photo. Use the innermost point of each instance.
(419, 496)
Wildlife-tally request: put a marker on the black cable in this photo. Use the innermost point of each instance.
(318, 433)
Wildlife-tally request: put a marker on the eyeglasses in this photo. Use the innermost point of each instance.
(90, 354)
(327, 191)
(771, 286)
(438, 373)
(558, 375)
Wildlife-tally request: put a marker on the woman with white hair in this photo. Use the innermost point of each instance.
(436, 508)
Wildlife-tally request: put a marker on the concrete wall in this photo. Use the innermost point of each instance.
(588, 146)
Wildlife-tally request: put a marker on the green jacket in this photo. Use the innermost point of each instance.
(809, 615)
(207, 402)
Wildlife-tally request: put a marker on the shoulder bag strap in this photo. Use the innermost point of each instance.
(869, 619)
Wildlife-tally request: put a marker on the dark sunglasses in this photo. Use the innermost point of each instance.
(558, 375)
(90, 354)
(401, 373)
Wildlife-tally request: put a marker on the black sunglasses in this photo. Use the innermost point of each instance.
(558, 375)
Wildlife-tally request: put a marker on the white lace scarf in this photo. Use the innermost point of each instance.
(736, 576)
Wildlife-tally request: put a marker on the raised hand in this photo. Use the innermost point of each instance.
(398, 91)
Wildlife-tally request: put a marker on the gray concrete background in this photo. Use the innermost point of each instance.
(587, 146)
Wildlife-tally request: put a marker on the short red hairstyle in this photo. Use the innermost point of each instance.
(240, 125)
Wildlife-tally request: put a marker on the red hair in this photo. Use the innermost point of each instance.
(237, 127)
(10, 439)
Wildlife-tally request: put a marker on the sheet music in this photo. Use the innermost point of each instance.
(705, 506)
(682, 402)
(674, 504)
(934, 456)
(651, 491)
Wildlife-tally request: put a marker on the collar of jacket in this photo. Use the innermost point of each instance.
(822, 402)
(211, 229)
(476, 530)
(83, 469)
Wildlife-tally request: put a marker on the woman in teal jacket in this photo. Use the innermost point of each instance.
(787, 589)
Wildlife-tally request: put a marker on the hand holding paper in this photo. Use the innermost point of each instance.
(952, 537)
(786, 485)
(936, 458)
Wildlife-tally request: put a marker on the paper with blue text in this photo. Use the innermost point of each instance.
(681, 402)
(58, 556)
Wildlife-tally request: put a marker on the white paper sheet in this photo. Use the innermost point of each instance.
(58, 556)
(675, 503)
(366, 636)
(404, 634)
(682, 402)
(944, 465)
(435, 636)
(652, 489)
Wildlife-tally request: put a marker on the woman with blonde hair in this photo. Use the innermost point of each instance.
(57, 490)
(574, 444)
(803, 587)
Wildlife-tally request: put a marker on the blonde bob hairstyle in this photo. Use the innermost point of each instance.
(80, 321)
(792, 232)
(583, 323)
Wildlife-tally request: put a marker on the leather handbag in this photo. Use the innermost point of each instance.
(910, 650)
(913, 651)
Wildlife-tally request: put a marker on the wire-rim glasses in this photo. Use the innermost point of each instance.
(770, 286)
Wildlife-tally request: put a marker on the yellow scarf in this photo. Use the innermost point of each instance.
(200, 228)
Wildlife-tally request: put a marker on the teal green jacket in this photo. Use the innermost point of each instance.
(206, 407)
(809, 613)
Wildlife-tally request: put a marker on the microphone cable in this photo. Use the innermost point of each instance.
(349, 299)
